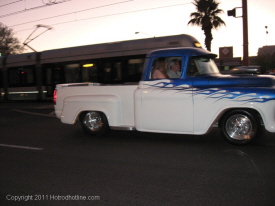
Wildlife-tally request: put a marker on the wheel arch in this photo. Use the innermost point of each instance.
(228, 110)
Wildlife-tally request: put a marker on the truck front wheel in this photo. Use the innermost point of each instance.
(240, 126)
(94, 123)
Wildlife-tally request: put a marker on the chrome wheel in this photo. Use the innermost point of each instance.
(239, 127)
(93, 121)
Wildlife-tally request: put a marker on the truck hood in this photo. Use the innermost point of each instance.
(242, 81)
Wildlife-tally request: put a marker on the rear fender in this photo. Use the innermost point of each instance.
(108, 104)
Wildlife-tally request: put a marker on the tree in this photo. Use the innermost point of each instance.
(206, 17)
(8, 43)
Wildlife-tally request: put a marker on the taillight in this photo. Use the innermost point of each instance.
(54, 96)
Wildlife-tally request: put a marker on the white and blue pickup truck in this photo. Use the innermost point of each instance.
(191, 102)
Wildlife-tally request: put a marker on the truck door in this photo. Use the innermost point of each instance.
(165, 104)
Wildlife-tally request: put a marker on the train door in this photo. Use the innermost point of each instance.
(53, 74)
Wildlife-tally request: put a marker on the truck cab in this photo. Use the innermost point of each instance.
(167, 104)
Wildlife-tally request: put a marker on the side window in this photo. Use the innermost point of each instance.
(166, 68)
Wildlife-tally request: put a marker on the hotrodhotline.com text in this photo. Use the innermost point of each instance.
(26, 198)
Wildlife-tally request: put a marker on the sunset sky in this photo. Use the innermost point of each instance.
(83, 22)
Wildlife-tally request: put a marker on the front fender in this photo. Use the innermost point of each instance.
(110, 105)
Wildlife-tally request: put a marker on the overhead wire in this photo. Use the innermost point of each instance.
(10, 3)
(70, 13)
(108, 15)
(33, 8)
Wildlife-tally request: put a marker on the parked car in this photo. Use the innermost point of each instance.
(243, 70)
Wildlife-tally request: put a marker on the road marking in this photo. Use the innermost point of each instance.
(21, 147)
(52, 114)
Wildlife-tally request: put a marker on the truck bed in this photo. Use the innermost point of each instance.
(76, 98)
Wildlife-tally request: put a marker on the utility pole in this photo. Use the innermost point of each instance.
(245, 29)
(245, 34)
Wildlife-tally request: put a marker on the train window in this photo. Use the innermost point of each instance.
(118, 71)
(112, 72)
(53, 74)
(21, 76)
(72, 73)
(89, 72)
(107, 72)
(135, 67)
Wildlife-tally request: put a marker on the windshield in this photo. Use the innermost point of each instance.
(201, 66)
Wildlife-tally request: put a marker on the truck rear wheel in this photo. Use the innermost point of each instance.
(94, 123)
(240, 126)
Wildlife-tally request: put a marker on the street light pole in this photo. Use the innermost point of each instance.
(245, 34)
(245, 29)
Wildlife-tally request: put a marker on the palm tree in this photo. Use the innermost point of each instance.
(206, 17)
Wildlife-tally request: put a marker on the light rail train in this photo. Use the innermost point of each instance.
(33, 76)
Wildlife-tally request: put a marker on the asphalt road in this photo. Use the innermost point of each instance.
(45, 162)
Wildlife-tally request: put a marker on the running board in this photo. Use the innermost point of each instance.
(132, 128)
(123, 127)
